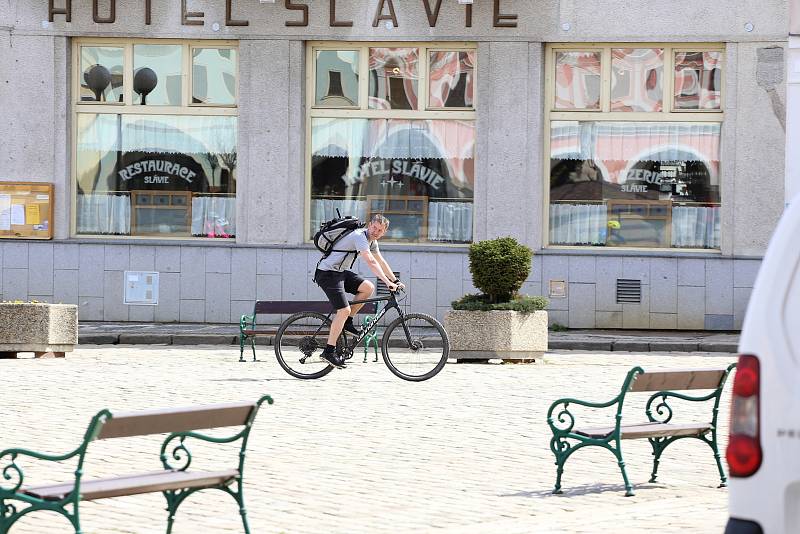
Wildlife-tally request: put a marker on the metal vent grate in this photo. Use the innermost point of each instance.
(629, 290)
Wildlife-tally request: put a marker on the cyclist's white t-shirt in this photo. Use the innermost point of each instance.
(356, 241)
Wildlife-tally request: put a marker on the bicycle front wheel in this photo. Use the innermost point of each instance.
(299, 342)
(418, 354)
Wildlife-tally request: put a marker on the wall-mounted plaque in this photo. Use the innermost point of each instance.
(141, 288)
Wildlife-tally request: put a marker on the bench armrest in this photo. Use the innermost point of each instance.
(180, 452)
(661, 411)
(564, 421)
(10, 471)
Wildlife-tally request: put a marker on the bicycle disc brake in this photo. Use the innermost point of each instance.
(416, 345)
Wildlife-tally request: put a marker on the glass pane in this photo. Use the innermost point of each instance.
(452, 79)
(156, 175)
(577, 80)
(698, 80)
(337, 78)
(214, 76)
(393, 78)
(101, 74)
(157, 74)
(637, 79)
(640, 184)
(418, 173)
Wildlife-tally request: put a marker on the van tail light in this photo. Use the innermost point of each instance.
(744, 444)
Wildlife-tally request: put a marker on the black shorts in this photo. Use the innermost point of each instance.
(335, 284)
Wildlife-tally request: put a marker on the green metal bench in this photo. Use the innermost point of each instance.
(249, 329)
(659, 430)
(176, 482)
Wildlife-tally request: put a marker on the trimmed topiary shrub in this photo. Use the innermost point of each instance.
(499, 267)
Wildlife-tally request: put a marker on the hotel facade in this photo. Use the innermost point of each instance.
(193, 147)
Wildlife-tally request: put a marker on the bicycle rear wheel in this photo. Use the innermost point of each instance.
(299, 342)
(424, 356)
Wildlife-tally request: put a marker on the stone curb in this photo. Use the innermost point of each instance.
(564, 344)
(145, 339)
(554, 344)
(204, 339)
(717, 346)
(98, 339)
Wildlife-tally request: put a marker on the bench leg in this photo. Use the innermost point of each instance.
(713, 444)
(241, 347)
(621, 463)
(658, 444)
(253, 347)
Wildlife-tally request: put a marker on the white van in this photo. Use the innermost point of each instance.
(764, 448)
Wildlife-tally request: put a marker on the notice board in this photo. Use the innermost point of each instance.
(26, 210)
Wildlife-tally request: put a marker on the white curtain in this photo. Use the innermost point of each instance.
(585, 224)
(104, 213)
(450, 221)
(325, 209)
(214, 216)
(695, 226)
(578, 224)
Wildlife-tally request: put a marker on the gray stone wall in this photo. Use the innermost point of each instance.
(217, 284)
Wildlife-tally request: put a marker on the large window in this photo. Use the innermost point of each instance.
(634, 142)
(393, 131)
(155, 138)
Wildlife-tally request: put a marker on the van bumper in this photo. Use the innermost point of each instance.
(742, 526)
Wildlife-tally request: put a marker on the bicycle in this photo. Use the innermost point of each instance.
(418, 352)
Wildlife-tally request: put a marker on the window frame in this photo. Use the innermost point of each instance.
(604, 114)
(362, 111)
(127, 107)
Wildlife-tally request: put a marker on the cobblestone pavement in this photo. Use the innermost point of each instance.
(362, 451)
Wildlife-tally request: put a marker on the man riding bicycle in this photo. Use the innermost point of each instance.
(335, 279)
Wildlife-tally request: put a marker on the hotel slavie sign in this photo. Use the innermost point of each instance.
(297, 12)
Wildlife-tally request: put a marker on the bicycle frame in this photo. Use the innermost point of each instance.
(391, 302)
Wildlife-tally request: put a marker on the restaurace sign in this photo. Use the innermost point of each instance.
(156, 172)
(296, 10)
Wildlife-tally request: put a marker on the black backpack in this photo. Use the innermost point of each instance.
(331, 232)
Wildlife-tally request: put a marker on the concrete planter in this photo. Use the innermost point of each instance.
(44, 329)
(507, 335)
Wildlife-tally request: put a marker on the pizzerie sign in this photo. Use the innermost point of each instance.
(384, 11)
(379, 168)
(150, 166)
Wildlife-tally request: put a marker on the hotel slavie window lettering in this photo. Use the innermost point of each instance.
(417, 170)
(167, 175)
(622, 182)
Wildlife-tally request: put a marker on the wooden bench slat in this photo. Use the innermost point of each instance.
(646, 430)
(271, 332)
(296, 306)
(128, 424)
(103, 488)
(678, 380)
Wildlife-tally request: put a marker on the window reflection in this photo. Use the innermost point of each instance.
(393, 78)
(214, 76)
(101, 74)
(452, 79)
(420, 173)
(157, 74)
(636, 79)
(698, 80)
(337, 78)
(635, 184)
(577, 83)
(156, 175)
